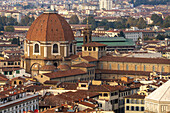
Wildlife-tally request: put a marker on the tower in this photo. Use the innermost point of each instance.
(49, 39)
(87, 38)
(89, 48)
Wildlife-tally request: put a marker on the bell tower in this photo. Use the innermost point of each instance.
(87, 38)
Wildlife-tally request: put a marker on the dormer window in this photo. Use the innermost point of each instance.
(55, 48)
(36, 48)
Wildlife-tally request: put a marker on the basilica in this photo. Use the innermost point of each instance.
(50, 54)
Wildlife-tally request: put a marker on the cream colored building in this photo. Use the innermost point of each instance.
(159, 100)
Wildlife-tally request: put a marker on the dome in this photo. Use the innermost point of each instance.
(63, 67)
(50, 26)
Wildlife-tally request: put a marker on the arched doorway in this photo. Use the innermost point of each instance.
(35, 69)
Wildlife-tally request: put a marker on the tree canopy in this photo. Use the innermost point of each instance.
(9, 29)
(26, 21)
(74, 19)
(157, 20)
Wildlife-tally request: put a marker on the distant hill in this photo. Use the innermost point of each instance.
(149, 2)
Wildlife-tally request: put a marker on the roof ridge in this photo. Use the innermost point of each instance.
(164, 93)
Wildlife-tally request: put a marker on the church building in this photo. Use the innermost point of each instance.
(49, 39)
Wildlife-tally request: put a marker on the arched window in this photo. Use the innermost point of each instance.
(36, 48)
(15, 82)
(71, 48)
(55, 48)
(20, 82)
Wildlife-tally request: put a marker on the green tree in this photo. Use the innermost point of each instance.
(74, 19)
(146, 38)
(121, 34)
(160, 37)
(1, 27)
(14, 41)
(91, 21)
(26, 21)
(141, 23)
(157, 20)
(9, 29)
(166, 22)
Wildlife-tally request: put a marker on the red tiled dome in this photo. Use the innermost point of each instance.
(50, 27)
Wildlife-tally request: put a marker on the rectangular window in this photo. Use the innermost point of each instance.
(127, 101)
(162, 69)
(137, 108)
(10, 73)
(105, 95)
(127, 67)
(142, 109)
(101, 66)
(110, 66)
(153, 68)
(100, 105)
(136, 68)
(112, 94)
(118, 67)
(144, 68)
(17, 72)
(127, 107)
(5, 72)
(132, 108)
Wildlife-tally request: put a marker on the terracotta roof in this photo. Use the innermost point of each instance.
(48, 68)
(83, 64)
(36, 88)
(50, 27)
(64, 66)
(8, 45)
(136, 96)
(10, 69)
(122, 72)
(67, 97)
(71, 72)
(88, 104)
(135, 60)
(3, 78)
(94, 44)
(68, 86)
(106, 88)
(89, 58)
(18, 78)
(51, 82)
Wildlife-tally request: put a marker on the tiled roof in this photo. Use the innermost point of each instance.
(94, 44)
(105, 88)
(122, 72)
(87, 104)
(89, 58)
(135, 60)
(51, 82)
(48, 68)
(83, 64)
(136, 96)
(3, 78)
(63, 66)
(50, 27)
(66, 73)
(10, 69)
(68, 86)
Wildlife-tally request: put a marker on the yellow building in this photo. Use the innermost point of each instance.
(134, 103)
